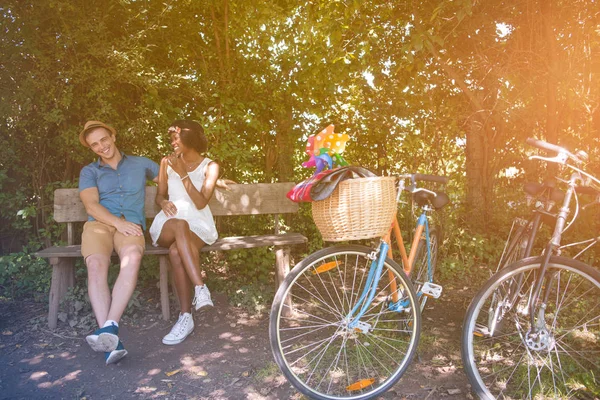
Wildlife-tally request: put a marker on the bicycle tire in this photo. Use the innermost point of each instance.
(562, 361)
(337, 364)
(418, 272)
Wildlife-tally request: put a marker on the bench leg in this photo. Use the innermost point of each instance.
(164, 287)
(282, 268)
(63, 277)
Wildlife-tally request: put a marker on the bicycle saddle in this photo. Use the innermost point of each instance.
(438, 201)
(536, 189)
(587, 190)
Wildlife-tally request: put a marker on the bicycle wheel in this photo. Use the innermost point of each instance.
(560, 361)
(420, 273)
(310, 338)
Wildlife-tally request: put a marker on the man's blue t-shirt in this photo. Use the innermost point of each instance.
(121, 191)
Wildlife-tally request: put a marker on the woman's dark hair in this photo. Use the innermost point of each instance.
(192, 134)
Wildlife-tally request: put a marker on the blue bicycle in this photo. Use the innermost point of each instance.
(345, 322)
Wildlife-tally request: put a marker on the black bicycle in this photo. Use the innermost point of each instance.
(533, 330)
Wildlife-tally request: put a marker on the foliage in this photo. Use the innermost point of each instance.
(253, 298)
(449, 87)
(77, 310)
(23, 274)
(149, 271)
(461, 255)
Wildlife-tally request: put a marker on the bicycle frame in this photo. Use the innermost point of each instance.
(553, 245)
(550, 249)
(368, 292)
(385, 249)
(375, 270)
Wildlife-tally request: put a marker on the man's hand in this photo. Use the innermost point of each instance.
(129, 228)
(169, 208)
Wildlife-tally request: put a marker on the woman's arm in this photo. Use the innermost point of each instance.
(163, 188)
(202, 197)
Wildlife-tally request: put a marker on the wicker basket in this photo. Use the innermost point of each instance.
(359, 208)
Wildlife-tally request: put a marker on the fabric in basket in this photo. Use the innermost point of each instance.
(322, 185)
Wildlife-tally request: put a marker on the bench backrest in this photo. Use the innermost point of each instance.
(242, 199)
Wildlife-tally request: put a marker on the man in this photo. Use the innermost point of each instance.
(112, 190)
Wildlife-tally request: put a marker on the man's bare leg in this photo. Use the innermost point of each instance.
(98, 291)
(131, 258)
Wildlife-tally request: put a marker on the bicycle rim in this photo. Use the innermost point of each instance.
(562, 361)
(312, 343)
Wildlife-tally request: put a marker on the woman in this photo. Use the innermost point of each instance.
(186, 182)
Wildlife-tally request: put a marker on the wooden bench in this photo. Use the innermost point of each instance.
(242, 199)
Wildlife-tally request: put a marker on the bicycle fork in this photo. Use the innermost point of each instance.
(538, 337)
(368, 293)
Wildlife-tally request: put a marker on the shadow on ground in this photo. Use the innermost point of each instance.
(227, 357)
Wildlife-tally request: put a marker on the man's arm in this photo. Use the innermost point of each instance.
(152, 170)
(91, 201)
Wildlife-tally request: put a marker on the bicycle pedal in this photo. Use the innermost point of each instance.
(431, 290)
(481, 331)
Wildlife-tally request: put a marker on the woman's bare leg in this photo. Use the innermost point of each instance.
(180, 277)
(184, 254)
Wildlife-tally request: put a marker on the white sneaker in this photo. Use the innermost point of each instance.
(182, 329)
(202, 297)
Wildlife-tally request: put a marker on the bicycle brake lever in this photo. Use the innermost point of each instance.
(561, 158)
(583, 156)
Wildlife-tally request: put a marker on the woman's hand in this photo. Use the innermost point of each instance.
(223, 183)
(169, 208)
(176, 162)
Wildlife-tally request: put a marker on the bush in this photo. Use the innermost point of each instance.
(24, 275)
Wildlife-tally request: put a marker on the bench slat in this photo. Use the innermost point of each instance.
(242, 199)
(229, 243)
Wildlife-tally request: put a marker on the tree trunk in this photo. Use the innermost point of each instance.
(479, 178)
(552, 83)
(476, 179)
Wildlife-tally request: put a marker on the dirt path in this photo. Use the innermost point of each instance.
(227, 357)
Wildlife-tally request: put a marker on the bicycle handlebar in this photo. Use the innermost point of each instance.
(540, 144)
(430, 178)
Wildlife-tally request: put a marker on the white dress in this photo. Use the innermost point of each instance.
(201, 222)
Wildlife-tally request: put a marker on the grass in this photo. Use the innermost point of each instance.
(268, 372)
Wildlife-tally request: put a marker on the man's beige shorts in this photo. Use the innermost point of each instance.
(100, 238)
